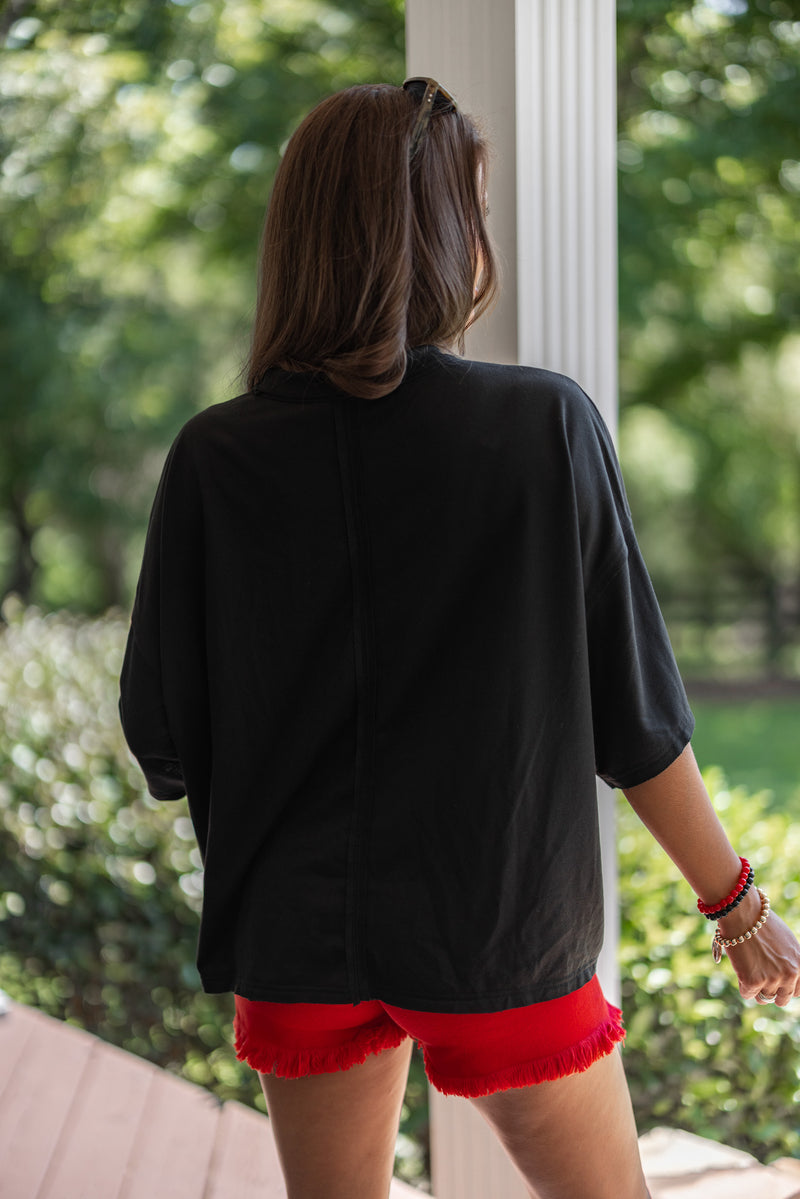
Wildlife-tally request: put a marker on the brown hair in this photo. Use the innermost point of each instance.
(367, 252)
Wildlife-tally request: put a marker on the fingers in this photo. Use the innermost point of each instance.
(756, 984)
(780, 998)
(750, 983)
(769, 991)
(784, 994)
(777, 989)
(768, 966)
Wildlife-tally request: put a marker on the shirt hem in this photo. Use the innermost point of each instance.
(494, 1001)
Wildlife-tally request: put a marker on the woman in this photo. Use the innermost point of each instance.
(391, 623)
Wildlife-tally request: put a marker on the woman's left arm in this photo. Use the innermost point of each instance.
(675, 807)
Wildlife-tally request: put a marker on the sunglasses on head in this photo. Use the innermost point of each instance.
(433, 98)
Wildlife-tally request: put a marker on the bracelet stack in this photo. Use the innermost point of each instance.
(719, 943)
(715, 911)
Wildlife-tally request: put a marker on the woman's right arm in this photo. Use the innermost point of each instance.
(675, 807)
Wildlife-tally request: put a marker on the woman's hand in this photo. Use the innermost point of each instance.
(768, 965)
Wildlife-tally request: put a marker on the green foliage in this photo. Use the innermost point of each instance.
(696, 1055)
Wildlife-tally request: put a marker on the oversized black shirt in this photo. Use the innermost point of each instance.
(384, 646)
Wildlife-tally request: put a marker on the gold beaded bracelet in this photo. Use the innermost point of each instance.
(719, 943)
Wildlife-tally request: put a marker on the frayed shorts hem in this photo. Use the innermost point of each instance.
(298, 1063)
(574, 1060)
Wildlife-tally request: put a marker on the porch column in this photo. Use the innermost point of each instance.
(540, 76)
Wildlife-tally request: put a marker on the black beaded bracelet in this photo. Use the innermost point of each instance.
(748, 882)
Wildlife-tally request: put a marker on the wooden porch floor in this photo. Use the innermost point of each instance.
(82, 1119)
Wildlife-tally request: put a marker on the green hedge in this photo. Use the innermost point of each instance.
(100, 892)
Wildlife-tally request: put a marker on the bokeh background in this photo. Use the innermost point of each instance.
(138, 141)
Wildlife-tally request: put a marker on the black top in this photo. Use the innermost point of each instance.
(385, 646)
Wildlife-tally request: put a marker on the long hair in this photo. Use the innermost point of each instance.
(367, 252)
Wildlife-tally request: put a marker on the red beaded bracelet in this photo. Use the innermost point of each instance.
(710, 909)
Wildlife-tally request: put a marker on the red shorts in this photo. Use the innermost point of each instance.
(466, 1053)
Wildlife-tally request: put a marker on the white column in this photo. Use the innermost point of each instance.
(540, 76)
(566, 225)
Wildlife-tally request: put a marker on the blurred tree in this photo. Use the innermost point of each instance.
(709, 94)
(138, 143)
